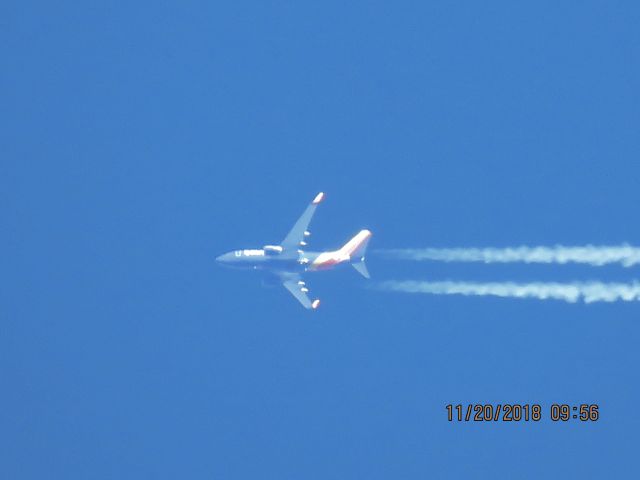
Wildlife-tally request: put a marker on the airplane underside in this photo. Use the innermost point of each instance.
(287, 262)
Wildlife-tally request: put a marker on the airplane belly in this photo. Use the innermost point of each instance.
(283, 265)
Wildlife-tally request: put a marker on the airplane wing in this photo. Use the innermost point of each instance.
(295, 238)
(293, 282)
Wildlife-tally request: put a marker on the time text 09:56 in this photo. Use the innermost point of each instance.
(525, 412)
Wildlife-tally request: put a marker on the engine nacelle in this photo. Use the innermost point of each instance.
(272, 249)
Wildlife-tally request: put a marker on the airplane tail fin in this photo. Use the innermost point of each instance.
(356, 249)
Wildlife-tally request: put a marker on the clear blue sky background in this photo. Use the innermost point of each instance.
(139, 141)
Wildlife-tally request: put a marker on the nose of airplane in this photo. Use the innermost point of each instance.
(224, 258)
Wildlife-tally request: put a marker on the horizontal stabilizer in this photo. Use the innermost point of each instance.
(361, 268)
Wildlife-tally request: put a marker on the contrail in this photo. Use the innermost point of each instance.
(625, 255)
(588, 292)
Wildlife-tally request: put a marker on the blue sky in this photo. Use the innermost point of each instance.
(140, 141)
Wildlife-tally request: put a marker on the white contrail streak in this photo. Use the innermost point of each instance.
(625, 255)
(589, 292)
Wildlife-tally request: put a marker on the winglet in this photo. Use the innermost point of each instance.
(315, 303)
(318, 198)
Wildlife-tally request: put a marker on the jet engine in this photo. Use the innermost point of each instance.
(272, 249)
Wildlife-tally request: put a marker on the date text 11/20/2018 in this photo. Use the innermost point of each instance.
(525, 412)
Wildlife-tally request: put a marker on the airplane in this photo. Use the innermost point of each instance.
(286, 262)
